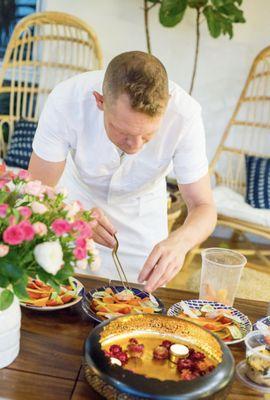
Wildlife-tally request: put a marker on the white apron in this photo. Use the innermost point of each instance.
(140, 220)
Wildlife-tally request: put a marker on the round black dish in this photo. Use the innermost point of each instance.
(114, 382)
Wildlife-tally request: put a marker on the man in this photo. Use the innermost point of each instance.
(115, 138)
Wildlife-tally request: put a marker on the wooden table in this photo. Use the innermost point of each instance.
(49, 365)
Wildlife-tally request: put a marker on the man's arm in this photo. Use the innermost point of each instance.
(167, 257)
(47, 172)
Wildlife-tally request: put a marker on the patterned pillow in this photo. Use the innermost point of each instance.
(258, 181)
(20, 149)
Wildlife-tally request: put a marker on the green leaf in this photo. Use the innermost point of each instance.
(10, 269)
(4, 281)
(197, 3)
(3, 197)
(213, 22)
(232, 12)
(6, 299)
(171, 12)
(19, 287)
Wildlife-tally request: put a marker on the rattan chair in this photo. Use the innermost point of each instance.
(247, 133)
(45, 49)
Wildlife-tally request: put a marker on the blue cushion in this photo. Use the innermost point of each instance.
(20, 149)
(258, 182)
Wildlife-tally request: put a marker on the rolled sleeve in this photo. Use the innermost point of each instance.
(190, 161)
(51, 141)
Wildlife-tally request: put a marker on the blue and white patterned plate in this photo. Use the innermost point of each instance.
(88, 297)
(245, 326)
(265, 320)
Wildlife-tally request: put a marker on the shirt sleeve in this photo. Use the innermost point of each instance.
(51, 141)
(190, 161)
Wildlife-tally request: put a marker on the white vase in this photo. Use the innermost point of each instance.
(10, 325)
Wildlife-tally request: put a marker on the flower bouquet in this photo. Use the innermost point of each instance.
(40, 235)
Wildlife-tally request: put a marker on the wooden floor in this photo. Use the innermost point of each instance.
(255, 284)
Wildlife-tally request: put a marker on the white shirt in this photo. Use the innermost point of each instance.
(131, 189)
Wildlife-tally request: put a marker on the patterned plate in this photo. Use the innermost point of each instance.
(245, 326)
(80, 291)
(265, 320)
(88, 297)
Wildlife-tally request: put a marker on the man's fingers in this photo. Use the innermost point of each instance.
(105, 236)
(156, 274)
(149, 265)
(103, 220)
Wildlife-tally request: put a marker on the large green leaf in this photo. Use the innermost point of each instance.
(4, 281)
(6, 299)
(171, 12)
(213, 22)
(10, 269)
(19, 287)
(197, 3)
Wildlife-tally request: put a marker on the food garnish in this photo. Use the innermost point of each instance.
(108, 304)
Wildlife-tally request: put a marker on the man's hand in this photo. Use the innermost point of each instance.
(103, 231)
(163, 263)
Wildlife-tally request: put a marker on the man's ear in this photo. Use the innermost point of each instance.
(99, 100)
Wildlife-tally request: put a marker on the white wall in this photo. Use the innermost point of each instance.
(223, 63)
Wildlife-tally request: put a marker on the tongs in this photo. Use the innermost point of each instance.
(120, 270)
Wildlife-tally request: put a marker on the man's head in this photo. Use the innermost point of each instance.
(135, 96)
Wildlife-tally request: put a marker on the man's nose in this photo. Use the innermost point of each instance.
(135, 141)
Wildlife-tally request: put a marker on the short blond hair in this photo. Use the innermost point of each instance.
(142, 77)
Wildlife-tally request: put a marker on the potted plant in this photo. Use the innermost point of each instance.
(40, 236)
(220, 16)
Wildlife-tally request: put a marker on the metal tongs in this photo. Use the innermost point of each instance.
(120, 270)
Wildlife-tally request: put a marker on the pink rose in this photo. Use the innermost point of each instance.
(39, 208)
(25, 212)
(24, 175)
(27, 229)
(80, 253)
(40, 228)
(13, 235)
(80, 242)
(84, 229)
(4, 249)
(3, 210)
(60, 227)
(34, 188)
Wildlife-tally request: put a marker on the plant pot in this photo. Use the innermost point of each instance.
(10, 324)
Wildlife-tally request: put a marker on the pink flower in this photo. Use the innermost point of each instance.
(40, 228)
(38, 208)
(34, 188)
(27, 229)
(25, 212)
(84, 229)
(60, 227)
(13, 235)
(4, 249)
(80, 253)
(80, 242)
(50, 192)
(24, 175)
(3, 182)
(3, 210)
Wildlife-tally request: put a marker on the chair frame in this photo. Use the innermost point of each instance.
(241, 228)
(18, 56)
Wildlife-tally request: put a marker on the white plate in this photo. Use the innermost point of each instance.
(61, 306)
(245, 326)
